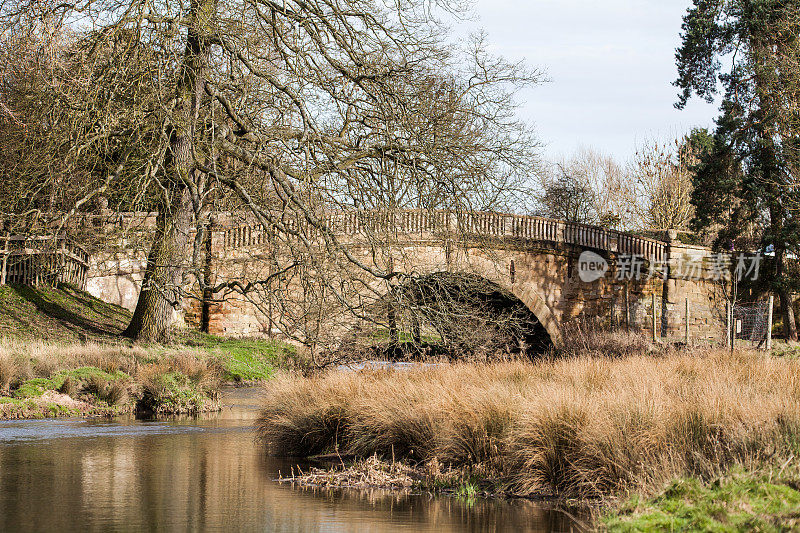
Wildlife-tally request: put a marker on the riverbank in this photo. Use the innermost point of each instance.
(40, 380)
(584, 428)
(741, 500)
(208, 473)
(61, 355)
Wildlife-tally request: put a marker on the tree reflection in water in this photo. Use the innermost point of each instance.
(206, 474)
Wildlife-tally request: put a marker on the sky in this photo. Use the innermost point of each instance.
(610, 64)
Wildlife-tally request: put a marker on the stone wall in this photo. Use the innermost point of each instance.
(116, 277)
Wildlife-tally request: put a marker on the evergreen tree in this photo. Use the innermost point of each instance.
(746, 177)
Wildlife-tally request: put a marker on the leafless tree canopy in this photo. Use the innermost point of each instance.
(588, 187)
(652, 192)
(292, 109)
(662, 185)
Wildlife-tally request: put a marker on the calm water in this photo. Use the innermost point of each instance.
(204, 474)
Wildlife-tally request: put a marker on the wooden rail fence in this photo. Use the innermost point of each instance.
(42, 260)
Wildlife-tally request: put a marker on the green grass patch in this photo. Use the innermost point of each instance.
(81, 378)
(738, 502)
(28, 408)
(789, 350)
(175, 393)
(467, 491)
(247, 360)
(63, 314)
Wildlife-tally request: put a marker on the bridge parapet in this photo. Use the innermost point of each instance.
(241, 229)
(425, 223)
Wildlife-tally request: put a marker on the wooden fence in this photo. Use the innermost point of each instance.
(42, 260)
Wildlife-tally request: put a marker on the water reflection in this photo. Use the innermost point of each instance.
(204, 474)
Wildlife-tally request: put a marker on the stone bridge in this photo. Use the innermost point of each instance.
(537, 260)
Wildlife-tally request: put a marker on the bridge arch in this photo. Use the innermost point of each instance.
(522, 286)
(535, 324)
(536, 305)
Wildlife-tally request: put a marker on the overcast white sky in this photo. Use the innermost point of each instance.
(610, 62)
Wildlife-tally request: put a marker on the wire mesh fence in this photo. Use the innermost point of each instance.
(744, 325)
(750, 324)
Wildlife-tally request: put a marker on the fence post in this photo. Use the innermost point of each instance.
(627, 309)
(770, 304)
(728, 313)
(654, 316)
(686, 332)
(3, 273)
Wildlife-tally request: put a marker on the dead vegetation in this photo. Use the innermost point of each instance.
(22, 360)
(580, 427)
(362, 474)
(586, 337)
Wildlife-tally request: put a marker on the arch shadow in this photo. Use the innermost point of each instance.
(532, 324)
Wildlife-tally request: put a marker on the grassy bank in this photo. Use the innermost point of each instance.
(39, 379)
(61, 315)
(577, 428)
(738, 501)
(61, 354)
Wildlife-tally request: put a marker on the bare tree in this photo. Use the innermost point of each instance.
(587, 187)
(294, 110)
(567, 196)
(662, 186)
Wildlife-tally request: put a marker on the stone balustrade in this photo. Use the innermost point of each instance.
(422, 223)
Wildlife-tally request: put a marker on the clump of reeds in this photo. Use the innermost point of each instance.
(8, 371)
(113, 392)
(22, 360)
(584, 337)
(581, 427)
(42, 359)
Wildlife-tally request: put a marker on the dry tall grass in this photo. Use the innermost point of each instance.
(23, 360)
(579, 428)
(586, 337)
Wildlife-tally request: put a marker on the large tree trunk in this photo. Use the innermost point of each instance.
(787, 310)
(161, 287)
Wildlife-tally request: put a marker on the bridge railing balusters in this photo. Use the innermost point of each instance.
(421, 222)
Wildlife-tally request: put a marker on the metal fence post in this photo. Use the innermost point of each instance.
(686, 332)
(654, 317)
(770, 304)
(728, 324)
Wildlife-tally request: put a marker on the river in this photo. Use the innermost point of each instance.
(206, 474)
